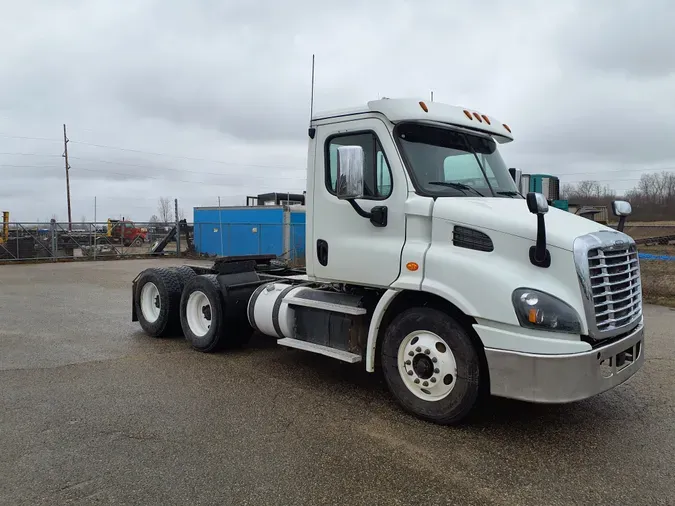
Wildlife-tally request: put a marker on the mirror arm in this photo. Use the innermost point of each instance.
(622, 223)
(359, 210)
(377, 216)
(539, 254)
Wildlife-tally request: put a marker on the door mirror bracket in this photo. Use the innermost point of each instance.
(350, 184)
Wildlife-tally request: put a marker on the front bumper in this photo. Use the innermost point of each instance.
(565, 378)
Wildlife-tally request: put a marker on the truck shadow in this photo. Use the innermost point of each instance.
(351, 384)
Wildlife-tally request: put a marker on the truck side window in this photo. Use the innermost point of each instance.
(377, 174)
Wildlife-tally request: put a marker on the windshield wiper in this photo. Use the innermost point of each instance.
(509, 193)
(457, 186)
(480, 165)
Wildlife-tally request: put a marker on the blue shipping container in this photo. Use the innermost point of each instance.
(254, 230)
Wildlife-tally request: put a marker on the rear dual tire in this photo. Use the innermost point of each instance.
(157, 300)
(202, 317)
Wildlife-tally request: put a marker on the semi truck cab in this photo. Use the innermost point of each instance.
(423, 260)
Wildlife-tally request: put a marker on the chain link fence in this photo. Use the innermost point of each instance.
(112, 239)
(115, 239)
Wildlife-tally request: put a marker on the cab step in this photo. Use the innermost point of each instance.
(345, 356)
(326, 306)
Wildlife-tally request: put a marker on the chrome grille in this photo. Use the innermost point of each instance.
(615, 286)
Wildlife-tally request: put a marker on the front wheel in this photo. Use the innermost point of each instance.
(431, 365)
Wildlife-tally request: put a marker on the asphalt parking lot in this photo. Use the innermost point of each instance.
(93, 411)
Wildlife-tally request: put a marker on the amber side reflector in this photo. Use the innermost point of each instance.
(507, 127)
(424, 107)
(412, 266)
(477, 116)
(487, 120)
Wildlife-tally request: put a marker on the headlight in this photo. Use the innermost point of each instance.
(539, 310)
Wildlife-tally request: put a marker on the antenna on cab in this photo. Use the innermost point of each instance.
(311, 100)
(312, 130)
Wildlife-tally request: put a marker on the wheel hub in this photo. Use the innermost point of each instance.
(198, 313)
(150, 302)
(427, 365)
(423, 366)
(206, 311)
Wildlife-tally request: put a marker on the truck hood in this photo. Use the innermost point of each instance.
(511, 216)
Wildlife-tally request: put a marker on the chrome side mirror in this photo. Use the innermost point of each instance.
(539, 255)
(621, 208)
(536, 203)
(350, 170)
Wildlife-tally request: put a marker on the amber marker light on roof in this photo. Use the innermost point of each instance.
(468, 114)
(424, 107)
(477, 116)
(507, 127)
(487, 120)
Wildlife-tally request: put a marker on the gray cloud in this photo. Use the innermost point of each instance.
(221, 90)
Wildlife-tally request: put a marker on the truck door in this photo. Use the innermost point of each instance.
(348, 247)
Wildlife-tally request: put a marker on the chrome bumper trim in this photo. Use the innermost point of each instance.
(564, 378)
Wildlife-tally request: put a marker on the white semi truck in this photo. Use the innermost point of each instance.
(424, 260)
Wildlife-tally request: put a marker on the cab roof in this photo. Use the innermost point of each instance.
(405, 109)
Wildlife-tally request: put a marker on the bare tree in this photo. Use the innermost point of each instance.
(165, 210)
(181, 213)
(652, 199)
(153, 219)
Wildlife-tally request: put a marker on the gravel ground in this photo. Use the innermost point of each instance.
(93, 411)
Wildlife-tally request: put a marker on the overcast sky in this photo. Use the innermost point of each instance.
(210, 98)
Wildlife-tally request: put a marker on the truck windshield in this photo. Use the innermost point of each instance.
(445, 162)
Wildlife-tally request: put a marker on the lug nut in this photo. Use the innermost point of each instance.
(417, 380)
(418, 349)
(433, 380)
(410, 373)
(426, 383)
(437, 370)
(407, 362)
(434, 360)
(411, 353)
(426, 352)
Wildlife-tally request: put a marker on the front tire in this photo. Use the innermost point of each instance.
(431, 365)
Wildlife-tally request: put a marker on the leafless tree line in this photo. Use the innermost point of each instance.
(165, 210)
(652, 199)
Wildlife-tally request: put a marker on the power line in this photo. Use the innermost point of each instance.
(154, 167)
(8, 136)
(30, 166)
(104, 146)
(30, 154)
(615, 170)
(145, 176)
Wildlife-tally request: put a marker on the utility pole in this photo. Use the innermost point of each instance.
(65, 156)
(175, 201)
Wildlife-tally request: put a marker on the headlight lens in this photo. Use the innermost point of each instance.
(539, 310)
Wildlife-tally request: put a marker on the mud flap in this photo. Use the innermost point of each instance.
(134, 316)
